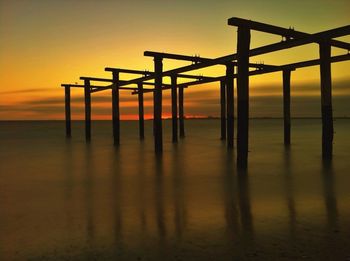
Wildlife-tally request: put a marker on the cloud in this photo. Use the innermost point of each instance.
(34, 90)
(265, 101)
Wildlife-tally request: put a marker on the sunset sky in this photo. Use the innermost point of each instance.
(46, 43)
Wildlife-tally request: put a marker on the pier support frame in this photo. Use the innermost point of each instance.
(286, 106)
(326, 100)
(230, 104)
(87, 95)
(158, 132)
(181, 112)
(115, 108)
(141, 111)
(68, 111)
(174, 107)
(243, 43)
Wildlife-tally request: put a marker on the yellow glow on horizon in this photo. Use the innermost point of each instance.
(39, 52)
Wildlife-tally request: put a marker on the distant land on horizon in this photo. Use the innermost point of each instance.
(195, 118)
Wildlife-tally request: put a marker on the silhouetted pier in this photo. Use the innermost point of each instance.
(239, 67)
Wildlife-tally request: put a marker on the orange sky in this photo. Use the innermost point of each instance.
(46, 43)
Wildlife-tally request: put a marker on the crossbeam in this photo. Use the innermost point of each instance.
(291, 66)
(337, 32)
(130, 71)
(288, 33)
(197, 59)
(96, 79)
(96, 87)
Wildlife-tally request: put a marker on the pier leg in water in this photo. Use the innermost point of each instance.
(223, 109)
(158, 133)
(286, 105)
(181, 112)
(230, 104)
(326, 100)
(242, 96)
(174, 106)
(67, 111)
(87, 94)
(141, 112)
(115, 108)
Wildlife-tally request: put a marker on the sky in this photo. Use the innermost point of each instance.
(46, 43)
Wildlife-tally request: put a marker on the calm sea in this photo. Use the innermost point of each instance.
(67, 200)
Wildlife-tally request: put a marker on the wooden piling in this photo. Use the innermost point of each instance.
(115, 108)
(68, 111)
(181, 112)
(286, 105)
(230, 104)
(87, 94)
(174, 107)
(141, 111)
(223, 109)
(243, 43)
(326, 100)
(158, 133)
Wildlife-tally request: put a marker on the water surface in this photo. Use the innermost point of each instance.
(65, 199)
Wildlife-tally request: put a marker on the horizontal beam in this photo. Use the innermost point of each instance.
(185, 76)
(288, 33)
(291, 66)
(121, 70)
(183, 85)
(197, 59)
(96, 79)
(337, 32)
(334, 59)
(79, 85)
(94, 87)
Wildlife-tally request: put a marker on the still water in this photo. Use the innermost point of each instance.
(67, 200)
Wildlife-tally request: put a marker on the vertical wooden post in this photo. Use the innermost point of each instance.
(181, 112)
(158, 133)
(67, 111)
(230, 104)
(87, 94)
(115, 108)
(326, 100)
(141, 113)
(174, 106)
(243, 43)
(223, 109)
(286, 105)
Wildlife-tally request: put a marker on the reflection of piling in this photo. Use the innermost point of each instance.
(115, 108)
(87, 94)
(174, 107)
(159, 200)
(242, 95)
(223, 109)
(286, 106)
(141, 111)
(329, 192)
(326, 100)
(289, 190)
(230, 104)
(67, 111)
(244, 204)
(158, 135)
(181, 112)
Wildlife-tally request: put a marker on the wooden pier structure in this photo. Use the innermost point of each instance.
(237, 66)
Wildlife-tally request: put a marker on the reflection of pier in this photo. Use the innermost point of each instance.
(238, 210)
(238, 62)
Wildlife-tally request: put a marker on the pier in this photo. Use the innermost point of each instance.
(238, 68)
